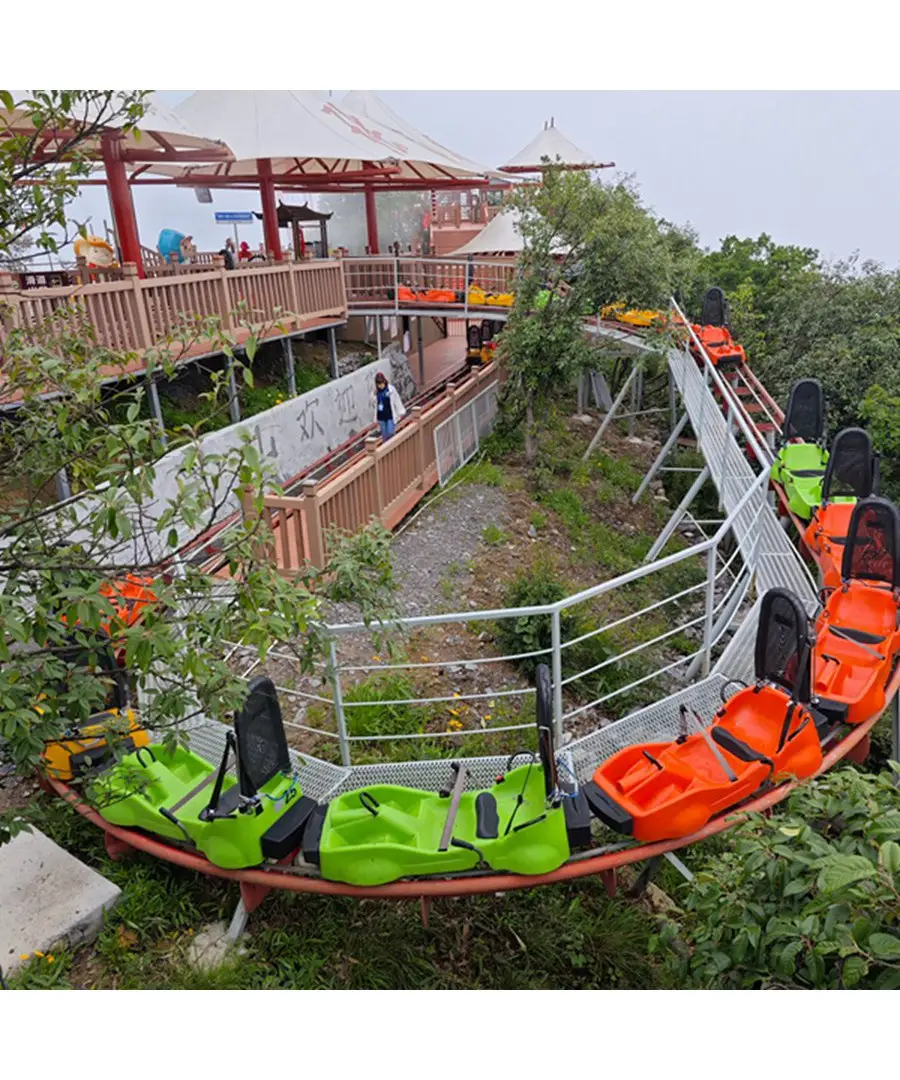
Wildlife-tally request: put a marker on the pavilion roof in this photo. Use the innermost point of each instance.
(551, 145)
(311, 139)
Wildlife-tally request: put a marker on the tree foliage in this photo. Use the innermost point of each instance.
(57, 559)
(807, 899)
(47, 142)
(586, 244)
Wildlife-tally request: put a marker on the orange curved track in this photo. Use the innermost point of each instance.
(427, 888)
(256, 883)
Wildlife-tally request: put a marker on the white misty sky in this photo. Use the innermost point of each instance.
(816, 169)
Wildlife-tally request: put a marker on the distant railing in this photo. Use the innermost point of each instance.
(375, 281)
(135, 314)
(455, 215)
(386, 482)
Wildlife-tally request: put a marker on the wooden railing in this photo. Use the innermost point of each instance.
(455, 214)
(386, 482)
(134, 314)
(375, 280)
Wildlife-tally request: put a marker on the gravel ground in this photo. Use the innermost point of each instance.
(444, 536)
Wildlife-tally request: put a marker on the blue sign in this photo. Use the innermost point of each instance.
(228, 217)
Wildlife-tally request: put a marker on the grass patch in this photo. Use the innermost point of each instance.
(494, 535)
(481, 472)
(366, 716)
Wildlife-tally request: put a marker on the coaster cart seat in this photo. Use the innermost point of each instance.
(714, 333)
(235, 822)
(474, 345)
(523, 823)
(477, 297)
(761, 735)
(855, 661)
(802, 456)
(851, 474)
(83, 746)
(406, 295)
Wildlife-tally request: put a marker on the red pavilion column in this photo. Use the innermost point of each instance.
(371, 220)
(121, 200)
(270, 213)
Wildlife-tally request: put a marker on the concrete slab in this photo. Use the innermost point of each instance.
(47, 896)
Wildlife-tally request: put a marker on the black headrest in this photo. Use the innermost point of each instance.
(262, 750)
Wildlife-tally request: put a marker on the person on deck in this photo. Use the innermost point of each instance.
(388, 405)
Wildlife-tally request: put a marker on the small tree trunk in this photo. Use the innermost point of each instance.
(530, 441)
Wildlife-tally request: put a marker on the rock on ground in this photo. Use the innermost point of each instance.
(211, 947)
(47, 896)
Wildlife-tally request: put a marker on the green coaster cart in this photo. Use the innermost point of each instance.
(523, 823)
(235, 821)
(802, 456)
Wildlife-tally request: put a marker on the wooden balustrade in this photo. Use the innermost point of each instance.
(385, 481)
(132, 315)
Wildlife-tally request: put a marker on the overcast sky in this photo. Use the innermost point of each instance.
(817, 169)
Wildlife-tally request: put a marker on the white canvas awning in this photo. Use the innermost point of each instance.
(309, 137)
(552, 145)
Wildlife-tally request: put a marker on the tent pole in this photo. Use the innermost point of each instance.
(270, 213)
(371, 220)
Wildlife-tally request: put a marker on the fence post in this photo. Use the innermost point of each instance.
(312, 516)
(372, 450)
(263, 543)
(139, 311)
(556, 641)
(417, 412)
(335, 672)
(710, 605)
(293, 288)
(223, 294)
(9, 298)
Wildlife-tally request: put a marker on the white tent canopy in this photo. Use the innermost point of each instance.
(307, 136)
(555, 147)
(500, 236)
(421, 153)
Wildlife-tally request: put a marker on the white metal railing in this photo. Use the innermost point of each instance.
(458, 439)
(730, 470)
(703, 609)
(373, 284)
(724, 584)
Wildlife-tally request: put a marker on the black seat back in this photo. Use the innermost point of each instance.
(873, 542)
(852, 469)
(262, 750)
(473, 338)
(783, 644)
(487, 331)
(99, 658)
(804, 417)
(544, 695)
(715, 308)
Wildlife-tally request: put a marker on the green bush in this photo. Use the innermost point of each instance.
(806, 899)
(530, 633)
